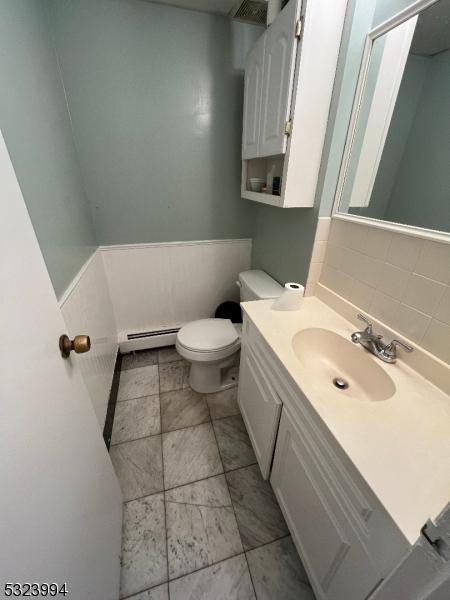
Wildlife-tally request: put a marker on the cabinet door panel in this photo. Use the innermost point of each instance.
(260, 409)
(293, 478)
(279, 67)
(335, 557)
(252, 99)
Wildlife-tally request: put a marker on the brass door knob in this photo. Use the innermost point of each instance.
(80, 344)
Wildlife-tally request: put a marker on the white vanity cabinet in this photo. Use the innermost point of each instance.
(347, 541)
(289, 79)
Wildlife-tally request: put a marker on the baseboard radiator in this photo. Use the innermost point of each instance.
(143, 340)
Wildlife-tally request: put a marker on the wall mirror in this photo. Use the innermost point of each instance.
(396, 166)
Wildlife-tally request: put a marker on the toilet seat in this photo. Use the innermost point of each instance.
(208, 335)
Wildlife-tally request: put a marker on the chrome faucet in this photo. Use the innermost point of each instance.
(372, 342)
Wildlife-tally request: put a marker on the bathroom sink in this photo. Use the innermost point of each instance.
(337, 364)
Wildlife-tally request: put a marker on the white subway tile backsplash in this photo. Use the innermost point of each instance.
(411, 322)
(319, 250)
(393, 281)
(378, 242)
(333, 255)
(423, 294)
(434, 261)
(323, 229)
(357, 237)
(370, 270)
(310, 289)
(443, 310)
(401, 280)
(336, 280)
(384, 307)
(361, 294)
(437, 340)
(314, 272)
(404, 251)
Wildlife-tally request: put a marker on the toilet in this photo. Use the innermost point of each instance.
(212, 345)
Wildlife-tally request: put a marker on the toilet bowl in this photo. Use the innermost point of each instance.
(212, 345)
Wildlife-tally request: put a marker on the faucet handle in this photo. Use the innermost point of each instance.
(391, 349)
(369, 323)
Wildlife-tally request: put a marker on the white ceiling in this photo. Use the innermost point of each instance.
(218, 7)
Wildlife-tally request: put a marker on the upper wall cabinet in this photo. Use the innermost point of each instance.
(286, 102)
(252, 99)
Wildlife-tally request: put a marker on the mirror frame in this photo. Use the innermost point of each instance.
(397, 19)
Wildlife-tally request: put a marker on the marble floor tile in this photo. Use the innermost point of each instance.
(190, 454)
(135, 383)
(160, 592)
(144, 557)
(223, 404)
(234, 444)
(277, 572)
(138, 466)
(183, 408)
(168, 354)
(136, 418)
(141, 358)
(227, 580)
(259, 517)
(201, 526)
(173, 376)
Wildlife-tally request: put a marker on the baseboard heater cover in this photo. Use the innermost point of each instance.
(143, 340)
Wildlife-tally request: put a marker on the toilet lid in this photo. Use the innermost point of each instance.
(208, 335)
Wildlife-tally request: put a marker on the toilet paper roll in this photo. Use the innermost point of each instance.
(291, 297)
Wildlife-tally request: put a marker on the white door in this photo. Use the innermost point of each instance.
(60, 502)
(252, 99)
(279, 67)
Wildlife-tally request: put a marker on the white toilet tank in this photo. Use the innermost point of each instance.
(258, 285)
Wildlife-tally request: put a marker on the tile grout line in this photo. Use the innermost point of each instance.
(178, 428)
(164, 487)
(234, 510)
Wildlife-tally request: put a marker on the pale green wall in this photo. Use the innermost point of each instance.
(36, 127)
(155, 95)
(421, 195)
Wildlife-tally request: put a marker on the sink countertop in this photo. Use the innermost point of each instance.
(400, 446)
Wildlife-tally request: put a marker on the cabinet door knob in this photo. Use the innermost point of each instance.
(79, 344)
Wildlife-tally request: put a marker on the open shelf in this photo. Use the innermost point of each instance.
(265, 168)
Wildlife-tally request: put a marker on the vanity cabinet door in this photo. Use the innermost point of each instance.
(338, 564)
(260, 408)
(252, 99)
(279, 68)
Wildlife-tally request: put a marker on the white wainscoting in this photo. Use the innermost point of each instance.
(87, 309)
(159, 286)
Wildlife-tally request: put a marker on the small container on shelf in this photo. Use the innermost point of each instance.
(256, 184)
(276, 186)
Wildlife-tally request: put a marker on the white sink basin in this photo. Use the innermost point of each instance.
(337, 364)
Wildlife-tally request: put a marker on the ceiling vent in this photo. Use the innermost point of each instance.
(250, 11)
